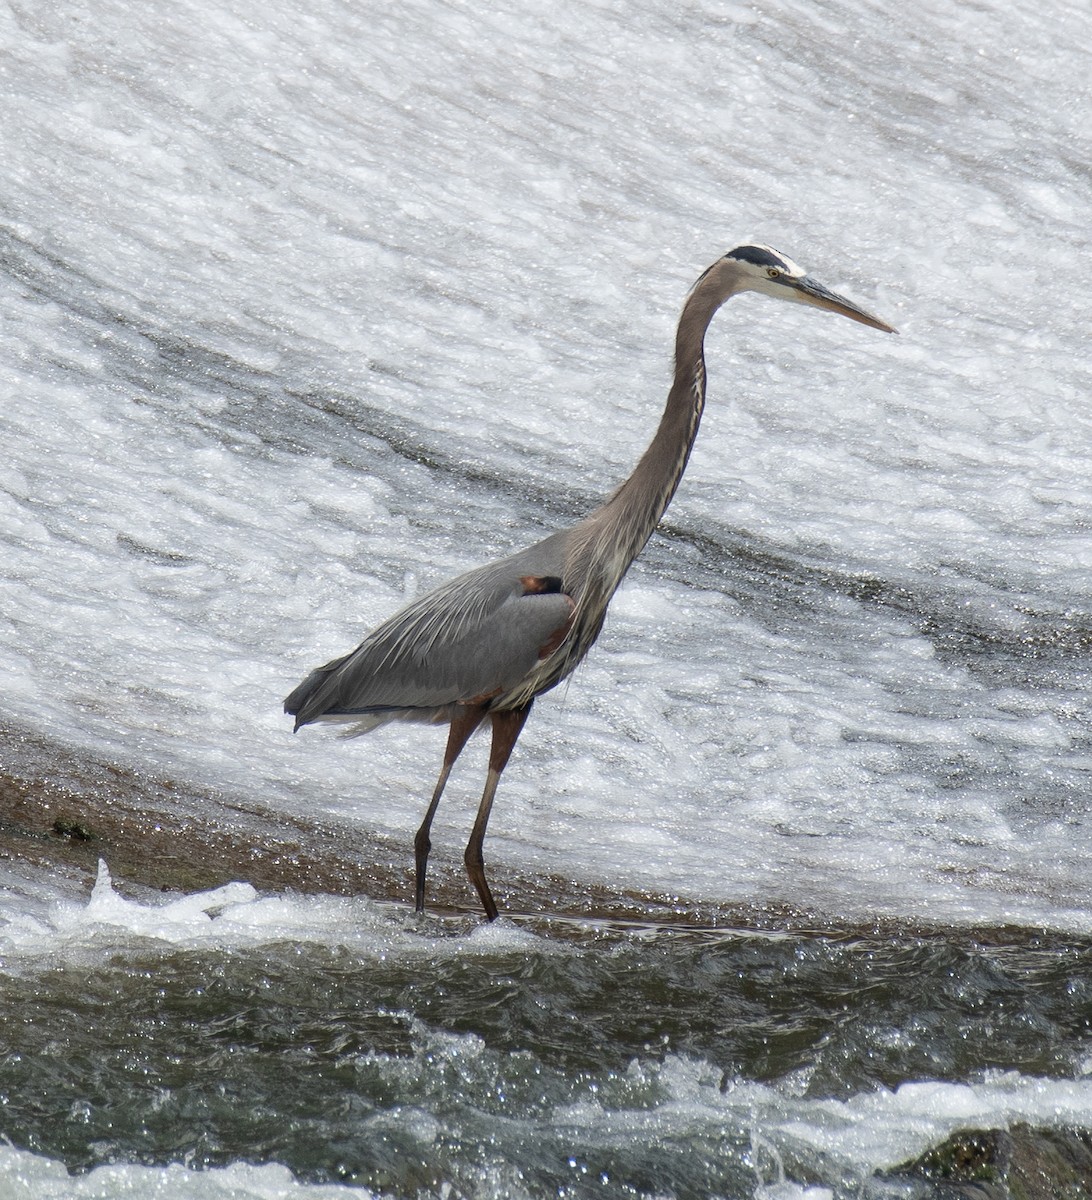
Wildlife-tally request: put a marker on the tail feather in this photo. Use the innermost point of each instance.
(318, 698)
(315, 696)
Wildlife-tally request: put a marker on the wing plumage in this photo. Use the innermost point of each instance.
(471, 639)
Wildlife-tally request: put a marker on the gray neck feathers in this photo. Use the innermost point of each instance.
(617, 532)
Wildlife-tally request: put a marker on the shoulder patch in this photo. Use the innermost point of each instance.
(540, 585)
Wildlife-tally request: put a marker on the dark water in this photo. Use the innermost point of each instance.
(586, 1062)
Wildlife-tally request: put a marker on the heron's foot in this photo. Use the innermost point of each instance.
(421, 847)
(475, 868)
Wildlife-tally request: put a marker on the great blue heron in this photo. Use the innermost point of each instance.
(488, 642)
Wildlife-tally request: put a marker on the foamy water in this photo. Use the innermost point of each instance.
(303, 311)
(656, 1104)
(294, 330)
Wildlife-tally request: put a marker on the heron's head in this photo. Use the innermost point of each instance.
(762, 269)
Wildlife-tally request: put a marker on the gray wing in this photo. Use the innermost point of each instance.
(473, 638)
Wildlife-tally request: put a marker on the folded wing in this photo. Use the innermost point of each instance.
(470, 640)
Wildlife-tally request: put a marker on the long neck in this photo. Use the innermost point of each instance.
(626, 521)
(599, 551)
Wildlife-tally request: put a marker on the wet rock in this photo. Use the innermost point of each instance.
(1020, 1163)
(72, 829)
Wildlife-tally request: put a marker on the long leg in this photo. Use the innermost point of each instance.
(462, 726)
(506, 729)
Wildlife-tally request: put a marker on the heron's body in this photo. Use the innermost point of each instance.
(485, 644)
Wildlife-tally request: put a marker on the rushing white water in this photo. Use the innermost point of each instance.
(304, 309)
(303, 313)
(678, 1100)
(26, 1176)
(870, 1131)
